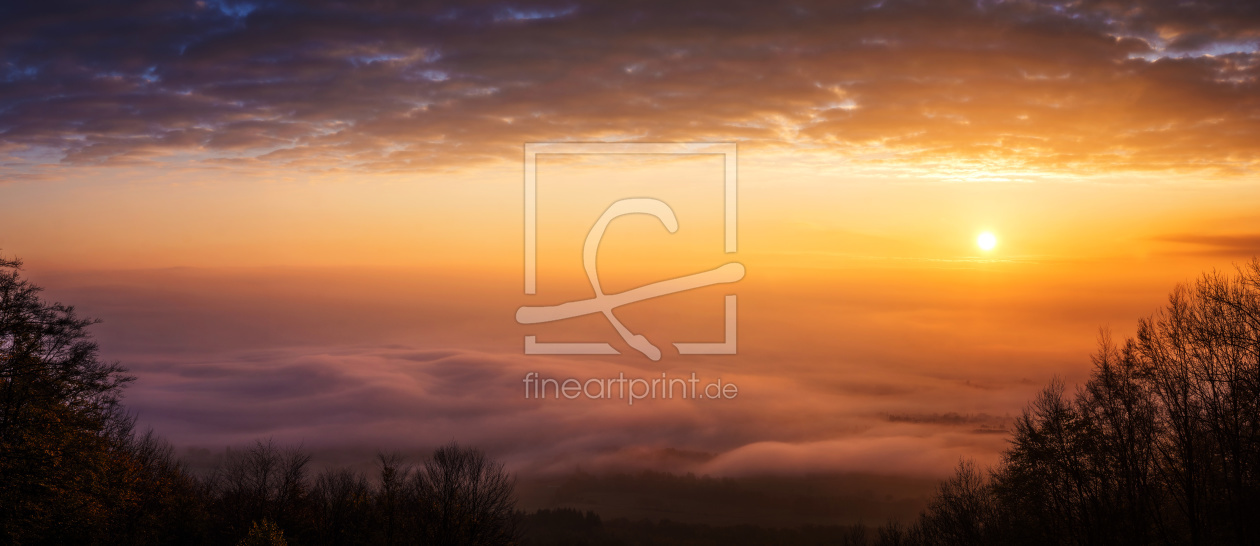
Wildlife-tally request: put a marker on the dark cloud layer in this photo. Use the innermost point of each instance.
(1079, 86)
(1245, 245)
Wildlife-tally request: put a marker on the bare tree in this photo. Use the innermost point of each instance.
(466, 499)
(262, 482)
(962, 509)
(1161, 445)
(1202, 358)
(392, 498)
(342, 504)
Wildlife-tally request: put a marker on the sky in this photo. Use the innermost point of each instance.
(305, 221)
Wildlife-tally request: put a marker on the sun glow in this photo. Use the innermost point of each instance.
(986, 241)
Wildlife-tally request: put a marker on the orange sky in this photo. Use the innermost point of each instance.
(313, 230)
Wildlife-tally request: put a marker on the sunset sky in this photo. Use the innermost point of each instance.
(304, 221)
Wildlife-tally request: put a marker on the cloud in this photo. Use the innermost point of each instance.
(901, 455)
(394, 86)
(1216, 245)
(397, 360)
(381, 398)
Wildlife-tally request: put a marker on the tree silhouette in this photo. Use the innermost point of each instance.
(1161, 445)
(73, 470)
(263, 482)
(466, 498)
(58, 415)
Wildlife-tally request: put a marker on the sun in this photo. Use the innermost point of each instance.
(986, 241)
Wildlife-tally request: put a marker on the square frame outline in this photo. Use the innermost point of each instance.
(730, 177)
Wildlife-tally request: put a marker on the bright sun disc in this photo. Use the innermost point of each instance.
(986, 241)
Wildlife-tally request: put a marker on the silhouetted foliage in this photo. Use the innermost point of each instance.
(257, 484)
(465, 499)
(1160, 446)
(458, 496)
(264, 533)
(72, 469)
(962, 509)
